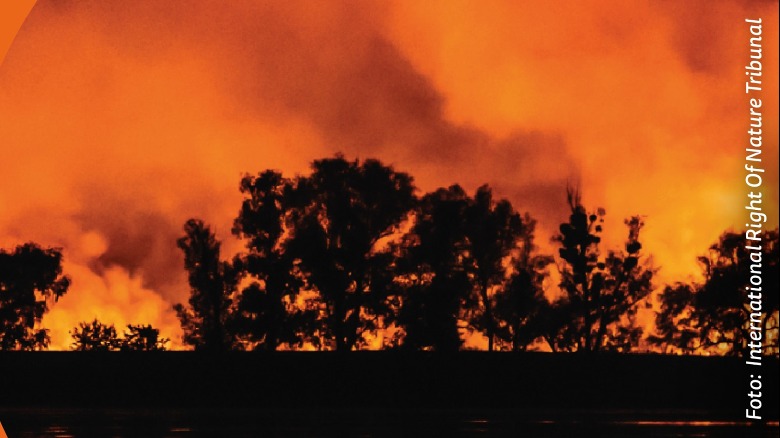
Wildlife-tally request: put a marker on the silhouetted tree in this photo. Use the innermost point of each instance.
(94, 336)
(142, 338)
(212, 283)
(29, 277)
(434, 273)
(97, 336)
(341, 213)
(492, 230)
(601, 294)
(266, 314)
(714, 317)
(521, 302)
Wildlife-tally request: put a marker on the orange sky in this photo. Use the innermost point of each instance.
(120, 120)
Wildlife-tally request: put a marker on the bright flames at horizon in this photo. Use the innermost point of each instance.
(122, 120)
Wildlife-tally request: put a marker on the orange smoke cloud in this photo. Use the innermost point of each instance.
(649, 98)
(122, 120)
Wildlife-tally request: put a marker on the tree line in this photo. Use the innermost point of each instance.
(350, 257)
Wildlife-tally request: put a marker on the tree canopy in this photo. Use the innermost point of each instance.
(350, 257)
(341, 212)
(437, 291)
(714, 316)
(94, 336)
(213, 283)
(493, 230)
(601, 293)
(349, 253)
(266, 315)
(30, 277)
(97, 336)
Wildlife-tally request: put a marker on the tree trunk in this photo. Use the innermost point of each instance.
(488, 315)
(516, 335)
(337, 320)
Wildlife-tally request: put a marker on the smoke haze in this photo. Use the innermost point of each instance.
(120, 120)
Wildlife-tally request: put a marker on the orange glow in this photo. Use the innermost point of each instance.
(13, 14)
(120, 120)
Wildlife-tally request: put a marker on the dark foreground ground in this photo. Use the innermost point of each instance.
(380, 394)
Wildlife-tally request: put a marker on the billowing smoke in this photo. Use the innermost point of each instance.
(122, 120)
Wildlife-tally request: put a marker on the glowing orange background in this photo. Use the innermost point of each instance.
(120, 120)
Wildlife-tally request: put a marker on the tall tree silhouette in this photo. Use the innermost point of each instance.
(435, 273)
(521, 302)
(266, 314)
(94, 336)
(29, 277)
(492, 230)
(342, 211)
(714, 316)
(212, 284)
(602, 295)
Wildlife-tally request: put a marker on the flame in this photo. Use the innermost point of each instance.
(123, 120)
